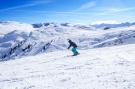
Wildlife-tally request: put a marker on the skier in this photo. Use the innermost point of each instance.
(74, 47)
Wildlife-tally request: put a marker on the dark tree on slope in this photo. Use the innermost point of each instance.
(27, 48)
(106, 28)
(46, 46)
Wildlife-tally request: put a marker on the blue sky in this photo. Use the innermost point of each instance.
(72, 11)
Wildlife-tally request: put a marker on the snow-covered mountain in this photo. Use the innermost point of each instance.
(43, 39)
(50, 37)
(107, 26)
(64, 25)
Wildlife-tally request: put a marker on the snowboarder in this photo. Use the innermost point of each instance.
(74, 47)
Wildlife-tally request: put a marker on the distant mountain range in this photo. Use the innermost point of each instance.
(20, 39)
(113, 25)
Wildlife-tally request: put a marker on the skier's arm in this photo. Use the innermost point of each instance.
(69, 46)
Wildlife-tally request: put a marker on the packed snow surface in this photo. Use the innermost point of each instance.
(99, 68)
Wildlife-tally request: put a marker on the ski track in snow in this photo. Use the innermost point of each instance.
(102, 68)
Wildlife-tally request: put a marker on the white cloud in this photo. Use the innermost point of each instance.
(25, 5)
(87, 5)
(17, 7)
(115, 10)
(106, 22)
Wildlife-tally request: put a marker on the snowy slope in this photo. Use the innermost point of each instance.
(9, 26)
(53, 37)
(99, 68)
